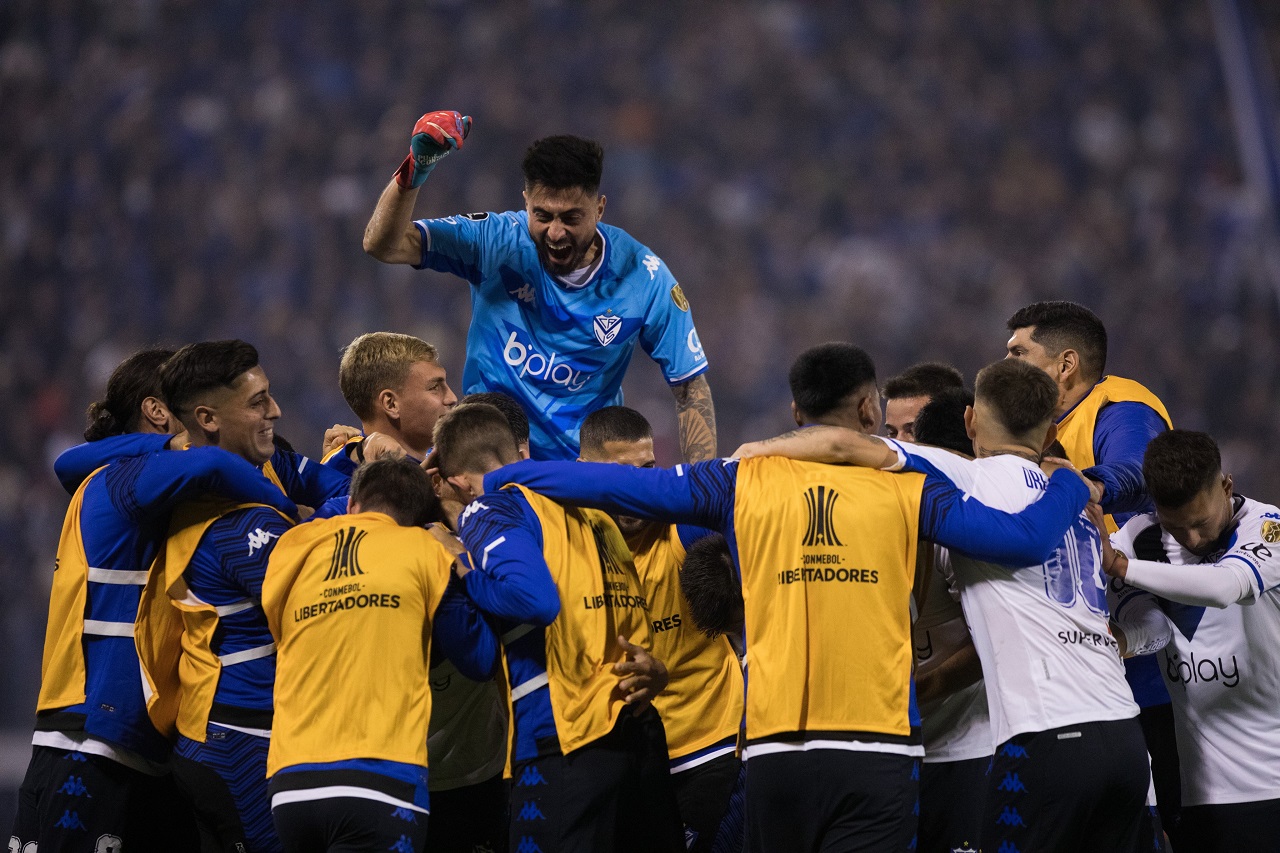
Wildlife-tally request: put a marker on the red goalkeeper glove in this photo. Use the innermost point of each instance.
(434, 136)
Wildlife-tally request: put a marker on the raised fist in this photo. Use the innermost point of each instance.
(434, 136)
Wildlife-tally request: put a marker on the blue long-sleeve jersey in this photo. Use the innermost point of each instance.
(304, 480)
(123, 522)
(1120, 441)
(704, 494)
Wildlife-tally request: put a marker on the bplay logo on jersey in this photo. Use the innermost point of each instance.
(520, 353)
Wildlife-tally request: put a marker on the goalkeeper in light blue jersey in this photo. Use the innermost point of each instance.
(558, 299)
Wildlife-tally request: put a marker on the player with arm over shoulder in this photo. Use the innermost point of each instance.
(353, 603)
(589, 755)
(1104, 424)
(203, 640)
(826, 557)
(1070, 770)
(1197, 579)
(558, 298)
(701, 708)
(98, 766)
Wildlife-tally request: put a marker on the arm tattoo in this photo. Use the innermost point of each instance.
(696, 414)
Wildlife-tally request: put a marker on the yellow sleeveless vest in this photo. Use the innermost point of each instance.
(1075, 430)
(349, 601)
(62, 668)
(828, 557)
(174, 630)
(600, 598)
(702, 704)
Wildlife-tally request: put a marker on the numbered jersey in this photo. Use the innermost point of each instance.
(561, 350)
(1048, 657)
(1220, 665)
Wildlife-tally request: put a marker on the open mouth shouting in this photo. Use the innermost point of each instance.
(562, 255)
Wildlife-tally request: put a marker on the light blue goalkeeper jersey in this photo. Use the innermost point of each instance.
(560, 350)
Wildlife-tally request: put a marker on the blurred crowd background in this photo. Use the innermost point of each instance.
(903, 174)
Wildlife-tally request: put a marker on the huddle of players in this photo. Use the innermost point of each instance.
(190, 609)
(589, 760)
(303, 651)
(1044, 646)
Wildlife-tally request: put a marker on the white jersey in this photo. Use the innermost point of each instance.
(1222, 666)
(956, 727)
(1048, 657)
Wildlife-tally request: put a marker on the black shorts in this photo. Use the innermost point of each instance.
(1231, 828)
(703, 793)
(614, 794)
(225, 780)
(833, 800)
(471, 818)
(1162, 746)
(952, 794)
(1069, 789)
(349, 825)
(76, 801)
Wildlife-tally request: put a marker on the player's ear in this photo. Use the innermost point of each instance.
(206, 419)
(600, 208)
(968, 422)
(1228, 486)
(388, 403)
(795, 414)
(869, 413)
(461, 486)
(1068, 363)
(155, 413)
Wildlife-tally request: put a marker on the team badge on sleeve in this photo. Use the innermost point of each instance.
(677, 296)
(1271, 531)
(606, 328)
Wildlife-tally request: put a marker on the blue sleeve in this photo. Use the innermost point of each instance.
(307, 482)
(1119, 442)
(330, 508)
(76, 463)
(701, 494)
(455, 244)
(952, 519)
(463, 635)
(245, 539)
(668, 334)
(509, 577)
(143, 486)
(690, 534)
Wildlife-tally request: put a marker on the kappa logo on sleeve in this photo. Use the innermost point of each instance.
(259, 538)
(651, 263)
(470, 510)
